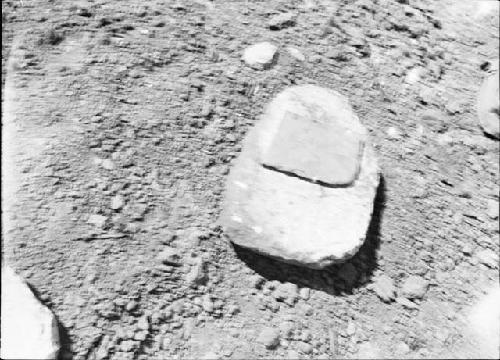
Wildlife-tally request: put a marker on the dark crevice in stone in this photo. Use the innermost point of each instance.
(317, 182)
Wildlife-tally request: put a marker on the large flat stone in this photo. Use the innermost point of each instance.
(288, 217)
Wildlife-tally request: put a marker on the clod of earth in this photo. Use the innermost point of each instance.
(29, 329)
(303, 187)
(488, 105)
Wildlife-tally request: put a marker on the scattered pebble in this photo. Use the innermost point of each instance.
(393, 133)
(286, 329)
(169, 256)
(198, 273)
(117, 202)
(493, 209)
(143, 323)
(269, 337)
(107, 164)
(256, 281)
(296, 54)
(287, 292)
(166, 342)
(384, 288)
(233, 309)
(401, 348)
(368, 350)
(351, 328)
(488, 258)
(305, 293)
(260, 56)
(97, 220)
(414, 75)
(282, 21)
(406, 303)
(207, 304)
(292, 355)
(304, 347)
(131, 306)
(467, 249)
(414, 287)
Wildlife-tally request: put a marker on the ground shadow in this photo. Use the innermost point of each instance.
(338, 279)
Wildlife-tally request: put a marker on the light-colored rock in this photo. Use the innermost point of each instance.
(401, 348)
(368, 350)
(169, 256)
(414, 75)
(304, 347)
(117, 202)
(269, 337)
(108, 164)
(488, 105)
(97, 220)
(414, 287)
(198, 273)
(393, 133)
(406, 303)
(488, 258)
(29, 329)
(296, 53)
(313, 212)
(493, 209)
(287, 292)
(260, 56)
(384, 288)
(305, 293)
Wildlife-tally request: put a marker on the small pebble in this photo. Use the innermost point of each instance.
(269, 337)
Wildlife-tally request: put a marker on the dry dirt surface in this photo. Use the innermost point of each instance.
(120, 123)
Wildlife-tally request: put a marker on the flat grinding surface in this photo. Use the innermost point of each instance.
(316, 149)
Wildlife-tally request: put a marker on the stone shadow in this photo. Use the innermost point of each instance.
(337, 279)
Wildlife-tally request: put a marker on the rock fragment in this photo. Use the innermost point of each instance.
(414, 287)
(169, 256)
(488, 257)
(198, 273)
(493, 209)
(260, 56)
(269, 337)
(282, 21)
(305, 293)
(117, 202)
(384, 288)
(97, 220)
(304, 347)
(287, 293)
(296, 54)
